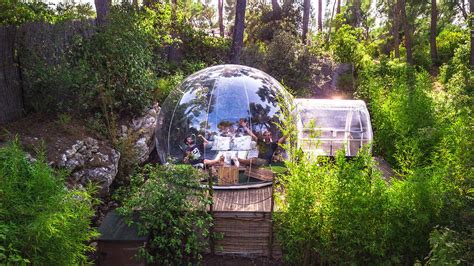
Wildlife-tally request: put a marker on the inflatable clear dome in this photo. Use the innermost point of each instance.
(215, 108)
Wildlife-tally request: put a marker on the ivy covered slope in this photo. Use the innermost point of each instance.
(42, 222)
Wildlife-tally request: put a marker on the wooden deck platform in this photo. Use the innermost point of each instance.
(243, 200)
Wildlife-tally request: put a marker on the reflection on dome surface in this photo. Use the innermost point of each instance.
(214, 103)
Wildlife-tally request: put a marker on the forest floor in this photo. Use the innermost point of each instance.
(45, 133)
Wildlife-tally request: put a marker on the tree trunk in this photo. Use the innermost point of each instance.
(102, 7)
(238, 34)
(220, 6)
(306, 9)
(434, 20)
(276, 10)
(330, 24)
(356, 13)
(471, 9)
(172, 48)
(407, 32)
(320, 15)
(338, 7)
(396, 29)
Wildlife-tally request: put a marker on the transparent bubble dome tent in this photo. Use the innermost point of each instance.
(211, 103)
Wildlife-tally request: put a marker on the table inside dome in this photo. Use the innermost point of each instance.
(246, 175)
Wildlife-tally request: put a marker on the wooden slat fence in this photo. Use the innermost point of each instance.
(11, 101)
(26, 47)
(245, 234)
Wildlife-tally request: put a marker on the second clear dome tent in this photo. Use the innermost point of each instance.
(212, 101)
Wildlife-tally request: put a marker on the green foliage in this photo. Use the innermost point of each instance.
(119, 57)
(334, 210)
(166, 85)
(342, 211)
(346, 44)
(397, 107)
(425, 136)
(42, 222)
(172, 210)
(445, 247)
(14, 12)
(286, 59)
(198, 48)
(448, 40)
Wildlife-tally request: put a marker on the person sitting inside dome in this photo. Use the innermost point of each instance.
(194, 151)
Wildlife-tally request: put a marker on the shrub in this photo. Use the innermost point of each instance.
(172, 210)
(42, 221)
(198, 47)
(14, 12)
(342, 212)
(402, 113)
(334, 211)
(289, 61)
(119, 58)
(166, 85)
(346, 44)
(448, 40)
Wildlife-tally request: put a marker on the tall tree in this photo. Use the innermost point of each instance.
(396, 28)
(433, 26)
(406, 31)
(306, 10)
(238, 33)
(356, 13)
(320, 15)
(276, 10)
(172, 48)
(102, 7)
(338, 7)
(220, 6)
(471, 10)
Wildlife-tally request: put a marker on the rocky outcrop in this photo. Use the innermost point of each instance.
(89, 160)
(141, 130)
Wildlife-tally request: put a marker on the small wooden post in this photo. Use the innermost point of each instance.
(211, 211)
(272, 203)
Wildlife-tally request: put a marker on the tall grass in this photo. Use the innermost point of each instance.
(342, 212)
(41, 221)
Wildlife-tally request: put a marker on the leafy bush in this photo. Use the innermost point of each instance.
(172, 210)
(448, 40)
(42, 221)
(166, 85)
(198, 47)
(14, 12)
(403, 114)
(119, 57)
(346, 44)
(289, 61)
(334, 211)
(445, 247)
(341, 211)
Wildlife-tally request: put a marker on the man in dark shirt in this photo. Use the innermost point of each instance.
(194, 153)
(266, 147)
